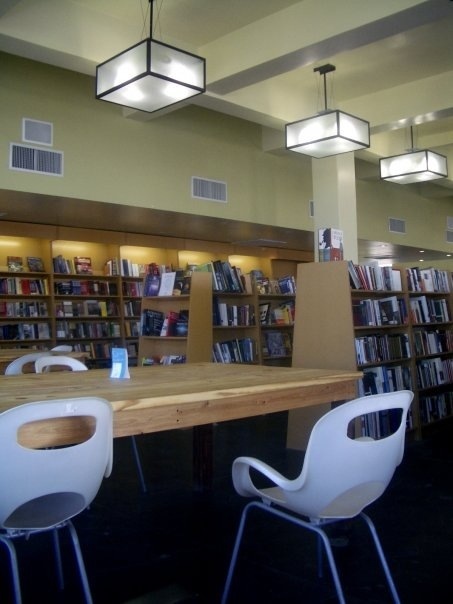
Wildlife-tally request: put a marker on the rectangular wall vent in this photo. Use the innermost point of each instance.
(35, 131)
(449, 238)
(32, 159)
(396, 225)
(450, 223)
(213, 190)
(311, 208)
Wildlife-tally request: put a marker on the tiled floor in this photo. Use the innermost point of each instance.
(172, 544)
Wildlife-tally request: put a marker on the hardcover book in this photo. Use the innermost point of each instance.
(82, 265)
(15, 264)
(35, 264)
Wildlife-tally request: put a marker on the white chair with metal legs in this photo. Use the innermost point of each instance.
(58, 360)
(16, 367)
(43, 363)
(341, 475)
(43, 488)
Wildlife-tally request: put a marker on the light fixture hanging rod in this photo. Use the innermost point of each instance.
(151, 2)
(323, 70)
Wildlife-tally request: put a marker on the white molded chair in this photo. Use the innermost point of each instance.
(42, 489)
(44, 362)
(339, 478)
(16, 367)
(61, 348)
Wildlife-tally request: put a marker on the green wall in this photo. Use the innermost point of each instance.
(149, 164)
(110, 158)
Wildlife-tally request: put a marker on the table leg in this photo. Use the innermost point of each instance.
(203, 456)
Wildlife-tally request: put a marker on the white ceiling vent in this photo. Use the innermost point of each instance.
(34, 131)
(212, 190)
(396, 225)
(32, 159)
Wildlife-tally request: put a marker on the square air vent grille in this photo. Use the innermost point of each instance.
(35, 131)
(449, 238)
(396, 225)
(32, 159)
(212, 190)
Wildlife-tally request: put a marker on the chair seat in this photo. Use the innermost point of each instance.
(45, 511)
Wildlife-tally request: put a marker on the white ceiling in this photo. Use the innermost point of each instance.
(393, 58)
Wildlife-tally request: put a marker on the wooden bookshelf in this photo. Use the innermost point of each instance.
(121, 325)
(327, 339)
(196, 344)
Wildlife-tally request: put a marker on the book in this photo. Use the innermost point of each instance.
(82, 265)
(167, 283)
(35, 264)
(330, 244)
(152, 285)
(15, 264)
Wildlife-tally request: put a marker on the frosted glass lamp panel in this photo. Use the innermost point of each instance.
(176, 65)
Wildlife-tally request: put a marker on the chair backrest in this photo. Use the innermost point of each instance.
(341, 475)
(61, 348)
(42, 363)
(41, 487)
(16, 367)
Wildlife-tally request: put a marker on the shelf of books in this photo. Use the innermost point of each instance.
(85, 288)
(25, 300)
(276, 308)
(388, 324)
(432, 330)
(175, 323)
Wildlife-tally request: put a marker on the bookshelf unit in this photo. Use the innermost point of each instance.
(196, 345)
(276, 324)
(87, 314)
(235, 328)
(25, 309)
(133, 252)
(430, 302)
(393, 349)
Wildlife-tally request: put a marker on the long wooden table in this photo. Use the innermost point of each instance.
(179, 396)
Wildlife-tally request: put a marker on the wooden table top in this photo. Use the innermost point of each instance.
(192, 394)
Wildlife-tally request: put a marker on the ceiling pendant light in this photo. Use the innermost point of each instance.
(150, 75)
(414, 166)
(330, 132)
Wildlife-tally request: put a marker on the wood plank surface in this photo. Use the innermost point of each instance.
(168, 397)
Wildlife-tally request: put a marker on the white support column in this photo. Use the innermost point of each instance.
(334, 195)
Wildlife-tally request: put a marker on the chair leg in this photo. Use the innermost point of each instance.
(58, 562)
(139, 464)
(235, 553)
(382, 558)
(322, 539)
(14, 568)
(80, 563)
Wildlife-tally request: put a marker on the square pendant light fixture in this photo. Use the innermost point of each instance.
(330, 132)
(414, 166)
(150, 75)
